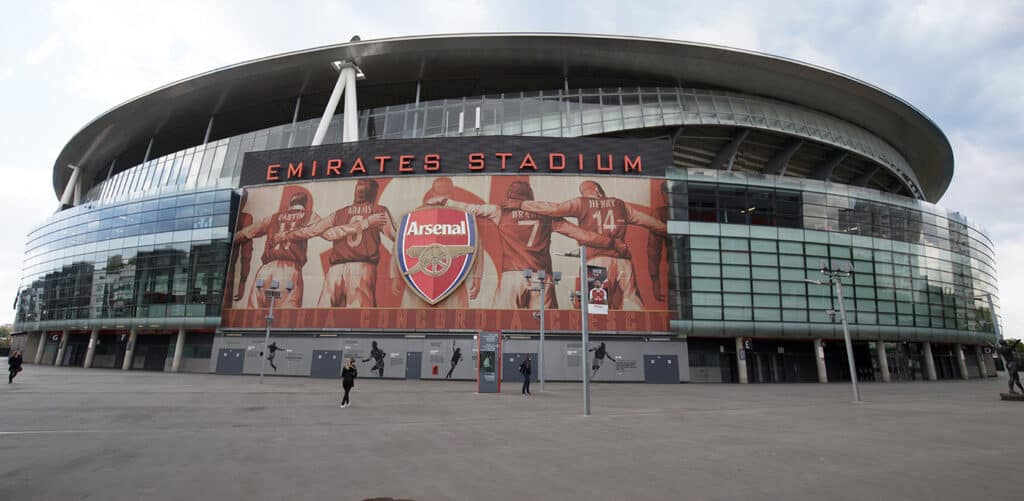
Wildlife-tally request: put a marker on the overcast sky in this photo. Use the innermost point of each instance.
(63, 63)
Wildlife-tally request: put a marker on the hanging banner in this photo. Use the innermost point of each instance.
(597, 290)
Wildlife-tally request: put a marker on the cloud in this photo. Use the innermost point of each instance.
(112, 56)
(42, 52)
(951, 25)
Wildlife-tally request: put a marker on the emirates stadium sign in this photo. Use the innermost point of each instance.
(487, 155)
(435, 249)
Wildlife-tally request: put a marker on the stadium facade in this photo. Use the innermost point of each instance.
(397, 190)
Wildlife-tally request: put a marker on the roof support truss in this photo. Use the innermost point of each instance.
(824, 170)
(778, 163)
(727, 154)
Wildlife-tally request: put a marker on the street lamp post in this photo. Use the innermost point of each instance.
(584, 323)
(835, 277)
(542, 280)
(273, 292)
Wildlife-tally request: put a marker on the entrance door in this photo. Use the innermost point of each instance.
(326, 364)
(156, 357)
(230, 361)
(413, 364)
(661, 369)
(510, 366)
(727, 363)
(74, 355)
(899, 366)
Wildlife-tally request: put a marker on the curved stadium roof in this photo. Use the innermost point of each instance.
(450, 60)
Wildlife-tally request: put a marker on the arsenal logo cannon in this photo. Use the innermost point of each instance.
(435, 250)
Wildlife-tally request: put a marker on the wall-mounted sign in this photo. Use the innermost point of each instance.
(459, 156)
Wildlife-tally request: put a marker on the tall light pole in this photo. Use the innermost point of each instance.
(542, 281)
(273, 292)
(584, 323)
(835, 278)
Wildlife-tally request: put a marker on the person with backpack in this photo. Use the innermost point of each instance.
(526, 369)
(348, 380)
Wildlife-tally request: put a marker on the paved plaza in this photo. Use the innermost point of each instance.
(108, 435)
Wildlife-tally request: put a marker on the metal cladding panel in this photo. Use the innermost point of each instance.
(439, 59)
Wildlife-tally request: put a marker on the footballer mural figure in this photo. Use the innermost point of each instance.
(355, 234)
(244, 257)
(526, 244)
(282, 259)
(656, 245)
(608, 216)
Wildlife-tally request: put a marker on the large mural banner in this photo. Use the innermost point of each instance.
(430, 253)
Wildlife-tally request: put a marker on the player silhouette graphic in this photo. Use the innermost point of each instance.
(456, 357)
(377, 355)
(272, 350)
(599, 355)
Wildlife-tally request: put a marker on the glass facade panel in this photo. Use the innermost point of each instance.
(118, 270)
(902, 251)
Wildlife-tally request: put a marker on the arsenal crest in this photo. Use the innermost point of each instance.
(435, 249)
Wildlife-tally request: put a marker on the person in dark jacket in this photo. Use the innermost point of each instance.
(526, 369)
(456, 357)
(13, 365)
(348, 380)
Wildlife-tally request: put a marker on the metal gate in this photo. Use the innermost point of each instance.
(661, 369)
(326, 364)
(230, 361)
(413, 364)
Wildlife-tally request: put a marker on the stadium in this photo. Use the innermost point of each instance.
(391, 199)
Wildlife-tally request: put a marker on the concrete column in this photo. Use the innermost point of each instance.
(883, 362)
(979, 353)
(39, 349)
(129, 352)
(60, 349)
(179, 347)
(929, 361)
(741, 361)
(90, 352)
(819, 357)
(961, 361)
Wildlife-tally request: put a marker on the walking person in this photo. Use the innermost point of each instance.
(13, 365)
(348, 380)
(526, 369)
